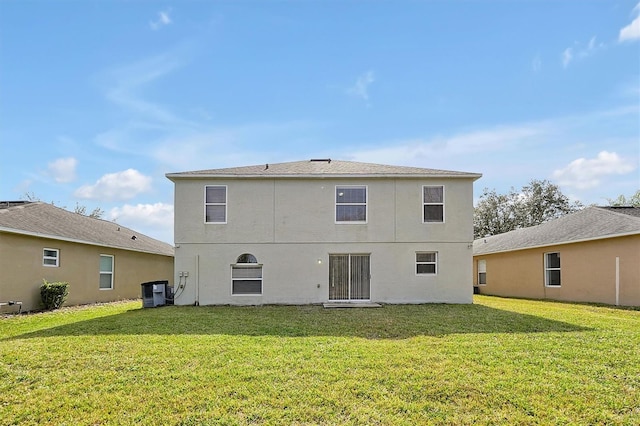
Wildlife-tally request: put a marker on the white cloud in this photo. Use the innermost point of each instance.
(580, 51)
(536, 64)
(116, 186)
(361, 87)
(154, 220)
(567, 56)
(63, 170)
(130, 79)
(162, 20)
(584, 173)
(632, 31)
(480, 141)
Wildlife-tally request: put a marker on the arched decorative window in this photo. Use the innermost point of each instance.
(246, 276)
(247, 258)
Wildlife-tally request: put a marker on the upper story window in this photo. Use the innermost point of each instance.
(433, 203)
(552, 269)
(351, 204)
(51, 257)
(215, 204)
(106, 272)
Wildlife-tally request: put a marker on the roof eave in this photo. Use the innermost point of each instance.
(559, 243)
(179, 176)
(73, 240)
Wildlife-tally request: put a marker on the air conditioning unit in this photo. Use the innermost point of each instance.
(154, 293)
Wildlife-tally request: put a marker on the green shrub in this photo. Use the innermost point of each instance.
(53, 295)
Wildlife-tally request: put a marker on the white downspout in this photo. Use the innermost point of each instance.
(197, 279)
(617, 281)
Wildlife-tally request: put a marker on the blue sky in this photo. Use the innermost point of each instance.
(100, 99)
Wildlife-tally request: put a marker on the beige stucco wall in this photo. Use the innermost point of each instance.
(588, 272)
(23, 272)
(289, 225)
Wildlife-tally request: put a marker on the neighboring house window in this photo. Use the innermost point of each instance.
(215, 204)
(552, 269)
(482, 272)
(433, 203)
(246, 276)
(106, 272)
(351, 204)
(51, 257)
(426, 263)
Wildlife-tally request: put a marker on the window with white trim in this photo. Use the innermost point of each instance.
(246, 276)
(106, 272)
(433, 203)
(552, 269)
(215, 204)
(50, 257)
(427, 263)
(351, 204)
(482, 272)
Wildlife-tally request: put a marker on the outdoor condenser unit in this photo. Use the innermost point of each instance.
(154, 293)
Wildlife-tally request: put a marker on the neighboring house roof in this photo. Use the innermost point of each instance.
(591, 223)
(48, 221)
(321, 168)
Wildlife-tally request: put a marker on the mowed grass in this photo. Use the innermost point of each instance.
(498, 361)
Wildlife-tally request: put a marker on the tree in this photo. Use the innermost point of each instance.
(536, 203)
(96, 213)
(622, 201)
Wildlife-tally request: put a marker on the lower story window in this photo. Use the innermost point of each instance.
(552, 269)
(246, 276)
(482, 272)
(106, 272)
(50, 257)
(426, 263)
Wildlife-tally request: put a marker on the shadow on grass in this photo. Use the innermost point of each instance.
(390, 322)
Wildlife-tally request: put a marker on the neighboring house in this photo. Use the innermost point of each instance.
(101, 260)
(321, 230)
(592, 255)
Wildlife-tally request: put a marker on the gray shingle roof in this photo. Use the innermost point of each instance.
(48, 221)
(322, 168)
(591, 223)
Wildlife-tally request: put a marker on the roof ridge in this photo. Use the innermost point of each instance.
(612, 210)
(322, 167)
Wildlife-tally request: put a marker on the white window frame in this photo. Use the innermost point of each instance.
(55, 258)
(424, 204)
(225, 204)
(547, 269)
(248, 266)
(365, 204)
(110, 273)
(482, 269)
(434, 263)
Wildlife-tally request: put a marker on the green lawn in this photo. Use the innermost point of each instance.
(499, 361)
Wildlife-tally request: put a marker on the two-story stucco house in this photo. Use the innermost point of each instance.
(322, 230)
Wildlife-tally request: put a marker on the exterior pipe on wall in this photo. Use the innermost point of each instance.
(197, 280)
(617, 281)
